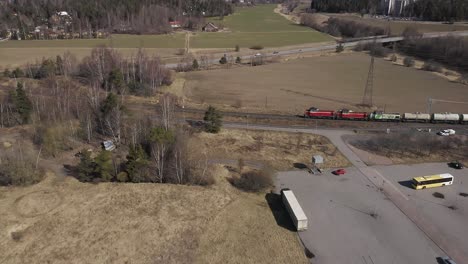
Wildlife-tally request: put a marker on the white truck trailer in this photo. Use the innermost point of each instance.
(294, 209)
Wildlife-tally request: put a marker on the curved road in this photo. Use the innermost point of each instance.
(333, 47)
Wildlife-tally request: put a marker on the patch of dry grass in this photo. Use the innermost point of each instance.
(61, 220)
(281, 150)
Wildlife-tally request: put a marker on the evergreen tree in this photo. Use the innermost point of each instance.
(109, 104)
(116, 81)
(137, 164)
(46, 70)
(17, 73)
(22, 103)
(213, 120)
(86, 167)
(103, 165)
(195, 64)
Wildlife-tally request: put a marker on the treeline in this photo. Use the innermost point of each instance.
(342, 27)
(438, 10)
(149, 16)
(338, 6)
(450, 51)
(435, 10)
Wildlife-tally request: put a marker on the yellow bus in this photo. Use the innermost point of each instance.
(432, 181)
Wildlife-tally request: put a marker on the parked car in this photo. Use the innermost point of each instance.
(446, 132)
(339, 172)
(456, 165)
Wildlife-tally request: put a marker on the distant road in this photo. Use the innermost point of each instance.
(333, 46)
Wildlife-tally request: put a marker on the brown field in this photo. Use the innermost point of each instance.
(61, 220)
(397, 27)
(278, 149)
(327, 82)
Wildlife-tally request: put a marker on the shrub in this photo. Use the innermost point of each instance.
(238, 60)
(408, 62)
(17, 73)
(213, 120)
(411, 32)
(339, 48)
(237, 48)
(463, 194)
(256, 47)
(438, 195)
(254, 181)
(19, 168)
(122, 177)
(394, 58)
(431, 66)
(223, 60)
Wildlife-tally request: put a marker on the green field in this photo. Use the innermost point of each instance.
(246, 27)
(116, 41)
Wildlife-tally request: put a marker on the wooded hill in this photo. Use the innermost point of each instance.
(437, 10)
(139, 16)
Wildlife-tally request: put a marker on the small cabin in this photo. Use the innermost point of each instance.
(210, 27)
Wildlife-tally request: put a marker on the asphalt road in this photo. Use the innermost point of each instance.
(400, 200)
(333, 47)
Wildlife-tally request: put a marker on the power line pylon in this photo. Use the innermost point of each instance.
(368, 92)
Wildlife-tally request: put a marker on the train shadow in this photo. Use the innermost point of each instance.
(280, 213)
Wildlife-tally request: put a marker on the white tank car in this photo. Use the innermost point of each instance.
(464, 118)
(445, 117)
(419, 117)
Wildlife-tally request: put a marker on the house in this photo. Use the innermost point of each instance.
(175, 24)
(210, 27)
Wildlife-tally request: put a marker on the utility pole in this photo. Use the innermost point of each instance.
(367, 97)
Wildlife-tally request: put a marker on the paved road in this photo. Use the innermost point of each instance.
(333, 47)
(399, 199)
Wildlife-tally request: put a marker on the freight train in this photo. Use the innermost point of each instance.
(345, 114)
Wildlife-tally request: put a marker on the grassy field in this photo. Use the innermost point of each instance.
(397, 27)
(327, 82)
(249, 26)
(61, 220)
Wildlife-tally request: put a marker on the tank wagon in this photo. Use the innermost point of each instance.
(346, 114)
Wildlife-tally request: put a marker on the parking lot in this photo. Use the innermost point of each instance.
(448, 214)
(352, 221)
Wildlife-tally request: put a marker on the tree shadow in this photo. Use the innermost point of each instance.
(407, 184)
(70, 170)
(279, 211)
(300, 166)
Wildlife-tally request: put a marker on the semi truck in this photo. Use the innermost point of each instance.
(294, 209)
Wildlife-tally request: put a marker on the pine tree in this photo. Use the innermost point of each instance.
(116, 80)
(109, 104)
(103, 165)
(137, 164)
(195, 64)
(86, 167)
(213, 120)
(22, 103)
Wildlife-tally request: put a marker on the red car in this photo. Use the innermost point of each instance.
(339, 172)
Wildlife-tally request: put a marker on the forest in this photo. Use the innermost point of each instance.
(435, 10)
(130, 16)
